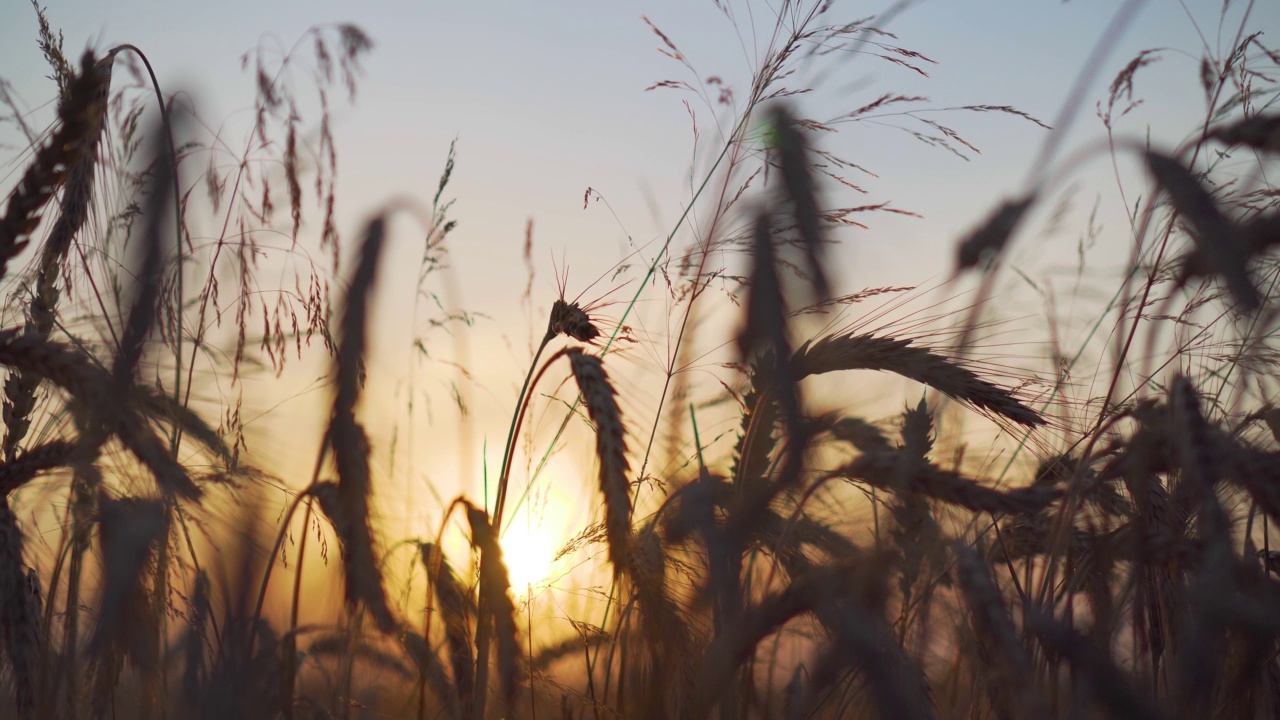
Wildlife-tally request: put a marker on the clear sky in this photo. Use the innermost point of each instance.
(548, 98)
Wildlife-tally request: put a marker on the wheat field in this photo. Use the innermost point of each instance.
(1074, 525)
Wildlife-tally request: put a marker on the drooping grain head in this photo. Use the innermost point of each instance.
(361, 570)
(1108, 683)
(158, 224)
(764, 342)
(193, 642)
(570, 319)
(611, 451)
(456, 609)
(354, 327)
(648, 564)
(20, 387)
(16, 473)
(986, 243)
(1007, 665)
(97, 412)
(1200, 459)
(432, 672)
(1221, 249)
(925, 366)
(130, 529)
(931, 481)
(350, 508)
(495, 586)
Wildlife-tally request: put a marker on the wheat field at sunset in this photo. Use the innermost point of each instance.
(729, 359)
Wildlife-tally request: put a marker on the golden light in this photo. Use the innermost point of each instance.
(529, 546)
(541, 520)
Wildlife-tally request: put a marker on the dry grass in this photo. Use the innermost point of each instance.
(811, 561)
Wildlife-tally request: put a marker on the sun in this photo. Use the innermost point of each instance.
(543, 519)
(529, 549)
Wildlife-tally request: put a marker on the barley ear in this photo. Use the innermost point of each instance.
(129, 531)
(571, 320)
(432, 672)
(30, 463)
(900, 356)
(1109, 684)
(1260, 131)
(142, 314)
(1008, 666)
(764, 340)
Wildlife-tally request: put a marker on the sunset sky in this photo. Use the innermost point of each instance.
(547, 99)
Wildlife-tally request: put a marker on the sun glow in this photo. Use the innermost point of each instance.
(529, 547)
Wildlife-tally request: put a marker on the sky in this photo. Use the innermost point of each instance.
(548, 99)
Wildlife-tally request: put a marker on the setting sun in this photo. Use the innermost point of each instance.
(541, 521)
(528, 549)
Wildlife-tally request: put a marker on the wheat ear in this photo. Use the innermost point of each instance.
(20, 388)
(495, 588)
(78, 115)
(868, 352)
(456, 608)
(611, 450)
(350, 512)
